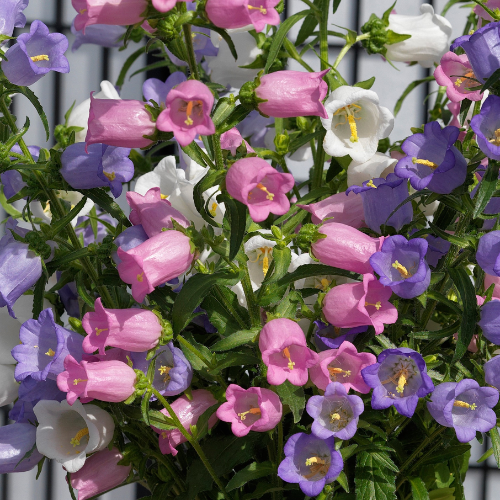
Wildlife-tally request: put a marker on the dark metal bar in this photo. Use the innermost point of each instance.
(58, 87)
(105, 60)
(357, 47)
(427, 85)
(49, 471)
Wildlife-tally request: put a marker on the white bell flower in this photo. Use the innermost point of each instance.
(68, 433)
(8, 385)
(355, 123)
(379, 165)
(430, 37)
(79, 115)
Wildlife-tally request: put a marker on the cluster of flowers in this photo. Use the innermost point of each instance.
(356, 267)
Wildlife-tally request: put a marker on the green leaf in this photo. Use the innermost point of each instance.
(485, 456)
(239, 114)
(372, 481)
(233, 359)
(441, 456)
(287, 308)
(307, 28)
(418, 489)
(336, 166)
(58, 225)
(223, 33)
(343, 481)
(279, 36)
(160, 421)
(235, 340)
(251, 472)
(491, 80)
(236, 213)
(213, 178)
(101, 198)
(469, 305)
(202, 423)
(393, 37)
(486, 188)
(38, 295)
(335, 6)
(145, 406)
(366, 84)
(68, 257)
(442, 494)
(462, 242)
(281, 260)
(309, 270)
(408, 89)
(293, 397)
(302, 140)
(9, 209)
(127, 65)
(495, 443)
(195, 153)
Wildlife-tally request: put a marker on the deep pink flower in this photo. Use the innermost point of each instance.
(358, 304)
(135, 330)
(342, 365)
(346, 247)
(232, 140)
(119, 122)
(111, 381)
(159, 259)
(187, 112)
(166, 5)
(113, 354)
(259, 186)
(292, 93)
(455, 73)
(188, 412)
(231, 14)
(100, 473)
(253, 409)
(285, 353)
(153, 212)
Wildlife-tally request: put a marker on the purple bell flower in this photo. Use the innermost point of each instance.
(488, 253)
(490, 321)
(156, 90)
(15, 441)
(104, 35)
(12, 180)
(380, 197)
(310, 461)
(401, 266)
(254, 128)
(69, 297)
(88, 233)
(44, 346)
(173, 372)
(331, 337)
(22, 412)
(335, 413)
(399, 378)
(437, 248)
(486, 125)
(35, 54)
(464, 406)
(102, 166)
(130, 238)
(492, 372)
(11, 15)
(432, 161)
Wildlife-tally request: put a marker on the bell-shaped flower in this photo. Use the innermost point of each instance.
(401, 266)
(355, 123)
(342, 365)
(34, 55)
(232, 14)
(430, 37)
(486, 125)
(255, 409)
(67, 433)
(359, 304)
(100, 473)
(335, 413)
(166, 5)
(187, 112)
(98, 34)
(254, 128)
(153, 212)
(285, 353)
(159, 259)
(346, 247)
(128, 239)
(44, 346)
(17, 440)
(157, 91)
(332, 337)
(123, 123)
(399, 378)
(8, 385)
(488, 253)
(11, 16)
(437, 248)
(432, 160)
(188, 412)
(173, 372)
(232, 140)
(490, 319)
(311, 462)
(379, 165)
(492, 371)
(253, 182)
(464, 406)
(99, 166)
(135, 330)
(380, 198)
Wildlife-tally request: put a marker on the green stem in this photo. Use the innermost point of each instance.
(346, 48)
(164, 459)
(234, 313)
(193, 66)
(323, 34)
(253, 308)
(219, 160)
(319, 162)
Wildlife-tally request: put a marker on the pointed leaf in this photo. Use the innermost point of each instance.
(292, 396)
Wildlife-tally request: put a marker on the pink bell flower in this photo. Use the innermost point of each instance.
(342, 365)
(455, 73)
(346, 247)
(232, 140)
(188, 412)
(135, 330)
(187, 112)
(166, 5)
(259, 186)
(344, 209)
(119, 122)
(153, 212)
(492, 280)
(253, 409)
(232, 14)
(359, 304)
(115, 12)
(292, 93)
(159, 259)
(100, 473)
(113, 354)
(285, 353)
(111, 381)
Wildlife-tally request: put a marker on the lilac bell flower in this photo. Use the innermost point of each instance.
(12, 180)
(401, 266)
(130, 238)
(69, 297)
(103, 166)
(44, 346)
(492, 372)
(254, 128)
(202, 45)
(104, 35)
(464, 406)
(399, 378)
(335, 413)
(331, 337)
(35, 54)
(432, 161)
(15, 441)
(156, 90)
(488, 253)
(486, 125)
(310, 461)
(380, 197)
(173, 372)
(436, 249)
(490, 321)
(11, 15)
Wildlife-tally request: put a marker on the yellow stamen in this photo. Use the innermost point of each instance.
(354, 129)
(463, 404)
(496, 140)
(46, 210)
(316, 465)
(261, 9)
(50, 353)
(213, 210)
(377, 305)
(401, 269)
(164, 370)
(164, 435)
(79, 436)
(337, 371)
(265, 253)
(334, 416)
(98, 331)
(111, 176)
(190, 105)
(401, 383)
(163, 197)
(286, 354)
(83, 11)
(370, 184)
(270, 196)
(458, 82)
(140, 277)
(265, 264)
(325, 283)
(348, 112)
(42, 57)
(427, 163)
(76, 381)
(252, 411)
